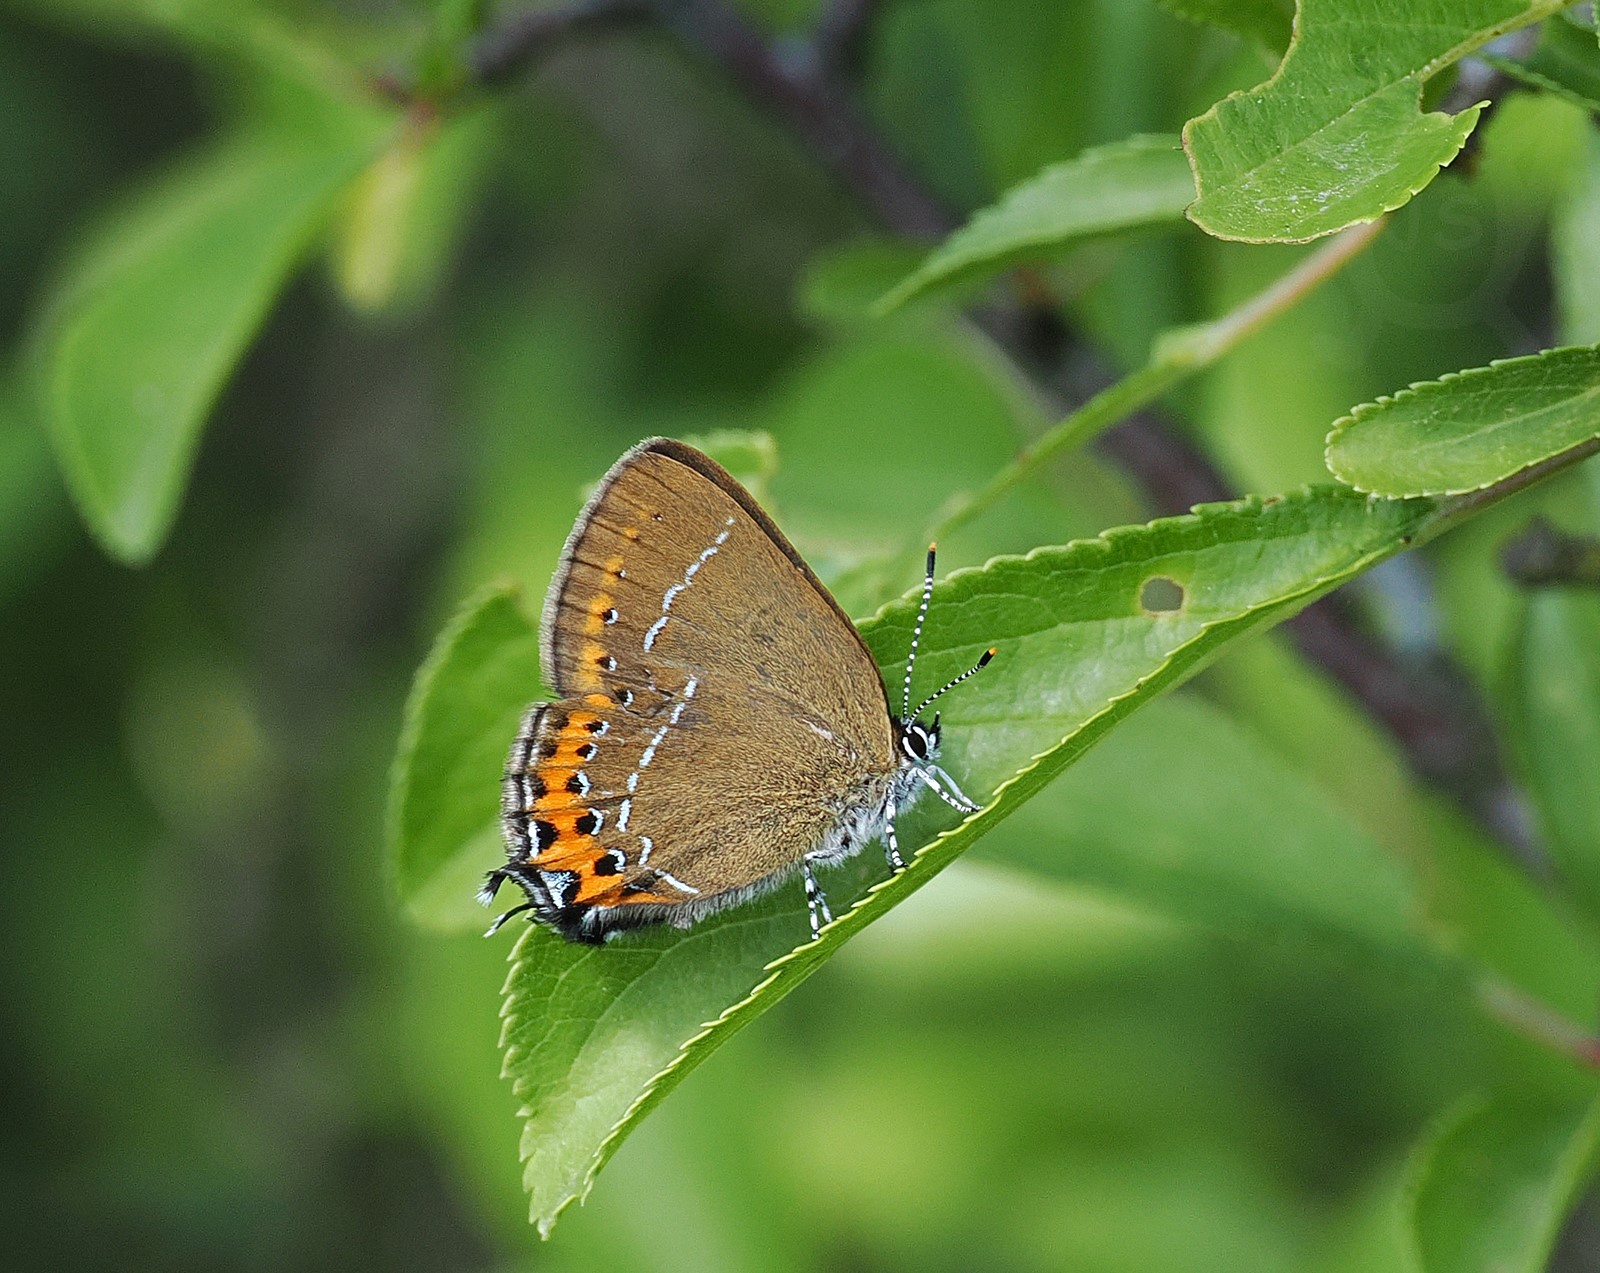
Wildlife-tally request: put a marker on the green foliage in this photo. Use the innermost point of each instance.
(1489, 1191)
(1292, 969)
(592, 1043)
(1336, 136)
(402, 220)
(1554, 700)
(1468, 431)
(1275, 857)
(1577, 251)
(157, 308)
(1268, 22)
(1566, 61)
(464, 707)
(1137, 182)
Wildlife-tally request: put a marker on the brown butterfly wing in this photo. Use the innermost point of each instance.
(719, 710)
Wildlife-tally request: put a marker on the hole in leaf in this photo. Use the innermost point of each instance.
(1161, 595)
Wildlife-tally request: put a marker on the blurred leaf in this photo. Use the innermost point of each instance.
(842, 284)
(404, 215)
(1491, 1189)
(1576, 250)
(1554, 700)
(459, 722)
(33, 511)
(307, 43)
(1267, 22)
(439, 64)
(1336, 136)
(1137, 182)
(1469, 430)
(984, 96)
(594, 1037)
(1566, 61)
(1232, 837)
(1310, 721)
(1427, 296)
(156, 309)
(946, 414)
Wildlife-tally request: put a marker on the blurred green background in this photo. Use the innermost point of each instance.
(221, 1045)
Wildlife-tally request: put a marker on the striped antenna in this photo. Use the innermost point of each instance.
(952, 683)
(916, 635)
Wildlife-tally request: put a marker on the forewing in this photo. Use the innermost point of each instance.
(674, 568)
(720, 708)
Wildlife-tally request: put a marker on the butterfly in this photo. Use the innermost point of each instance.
(721, 725)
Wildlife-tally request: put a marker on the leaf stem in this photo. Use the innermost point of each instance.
(1537, 1021)
(1176, 356)
(1461, 507)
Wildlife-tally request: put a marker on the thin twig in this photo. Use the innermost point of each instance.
(509, 48)
(1539, 1022)
(839, 41)
(1177, 356)
(792, 88)
(819, 116)
(1463, 506)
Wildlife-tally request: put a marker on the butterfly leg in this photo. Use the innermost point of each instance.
(816, 903)
(891, 848)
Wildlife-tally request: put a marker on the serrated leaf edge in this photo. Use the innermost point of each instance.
(1385, 206)
(1416, 388)
(1420, 75)
(923, 278)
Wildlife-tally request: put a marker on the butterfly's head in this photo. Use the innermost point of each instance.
(919, 743)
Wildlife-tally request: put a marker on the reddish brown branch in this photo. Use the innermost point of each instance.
(1544, 555)
(840, 40)
(803, 100)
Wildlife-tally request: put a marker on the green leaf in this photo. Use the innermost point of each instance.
(1232, 837)
(596, 1037)
(313, 45)
(443, 826)
(33, 509)
(1137, 182)
(1337, 136)
(1267, 22)
(1489, 1192)
(842, 285)
(1472, 429)
(1554, 696)
(1566, 62)
(405, 214)
(1575, 251)
(158, 307)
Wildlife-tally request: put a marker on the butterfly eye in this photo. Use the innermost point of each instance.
(916, 741)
